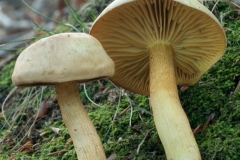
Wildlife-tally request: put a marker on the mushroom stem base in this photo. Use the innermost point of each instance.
(170, 119)
(81, 129)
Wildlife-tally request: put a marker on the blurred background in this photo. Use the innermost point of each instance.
(17, 20)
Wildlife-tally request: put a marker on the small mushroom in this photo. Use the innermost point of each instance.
(157, 44)
(63, 60)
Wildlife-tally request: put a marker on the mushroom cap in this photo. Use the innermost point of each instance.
(61, 58)
(128, 28)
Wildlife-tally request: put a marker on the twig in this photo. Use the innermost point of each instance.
(196, 130)
(139, 146)
(214, 6)
(85, 91)
(124, 111)
(113, 84)
(235, 4)
(119, 101)
(224, 15)
(208, 122)
(115, 114)
(130, 103)
(56, 153)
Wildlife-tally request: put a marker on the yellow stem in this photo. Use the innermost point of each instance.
(80, 127)
(170, 119)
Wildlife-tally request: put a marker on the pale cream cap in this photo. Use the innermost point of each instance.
(61, 58)
(128, 28)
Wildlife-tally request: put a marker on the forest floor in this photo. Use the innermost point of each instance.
(31, 126)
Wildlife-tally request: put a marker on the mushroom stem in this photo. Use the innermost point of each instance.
(170, 119)
(81, 129)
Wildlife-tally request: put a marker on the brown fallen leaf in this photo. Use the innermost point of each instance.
(69, 143)
(27, 147)
(43, 110)
(46, 105)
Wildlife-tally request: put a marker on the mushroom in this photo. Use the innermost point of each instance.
(63, 60)
(157, 44)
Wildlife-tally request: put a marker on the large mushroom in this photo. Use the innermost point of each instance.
(63, 60)
(157, 44)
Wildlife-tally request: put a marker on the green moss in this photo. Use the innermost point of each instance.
(5, 78)
(118, 137)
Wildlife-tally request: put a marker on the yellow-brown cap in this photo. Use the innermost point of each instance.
(128, 28)
(61, 58)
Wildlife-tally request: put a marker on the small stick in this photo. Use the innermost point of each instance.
(143, 140)
(56, 153)
(214, 6)
(208, 122)
(124, 111)
(130, 102)
(196, 130)
(85, 91)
